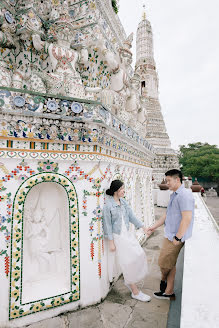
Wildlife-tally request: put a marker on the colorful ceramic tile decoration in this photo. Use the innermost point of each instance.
(97, 212)
(5, 223)
(95, 220)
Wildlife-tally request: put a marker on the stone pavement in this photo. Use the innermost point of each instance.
(119, 310)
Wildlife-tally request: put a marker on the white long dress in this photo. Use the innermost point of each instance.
(130, 256)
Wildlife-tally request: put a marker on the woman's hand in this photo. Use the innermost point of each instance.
(148, 231)
(112, 246)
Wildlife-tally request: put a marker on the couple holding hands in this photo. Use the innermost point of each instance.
(132, 259)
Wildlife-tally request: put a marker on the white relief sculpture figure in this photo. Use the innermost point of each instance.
(7, 40)
(46, 251)
(142, 116)
(140, 125)
(142, 113)
(36, 235)
(54, 224)
(64, 80)
(135, 107)
(43, 233)
(119, 65)
(133, 102)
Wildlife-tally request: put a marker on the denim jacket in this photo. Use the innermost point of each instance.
(112, 217)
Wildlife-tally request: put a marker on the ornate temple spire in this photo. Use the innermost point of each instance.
(156, 132)
(145, 67)
(144, 13)
(145, 64)
(144, 42)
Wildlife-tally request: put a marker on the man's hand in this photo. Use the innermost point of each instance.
(112, 246)
(148, 231)
(175, 242)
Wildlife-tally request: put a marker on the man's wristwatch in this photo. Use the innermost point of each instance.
(178, 239)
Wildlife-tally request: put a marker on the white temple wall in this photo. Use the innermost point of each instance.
(34, 207)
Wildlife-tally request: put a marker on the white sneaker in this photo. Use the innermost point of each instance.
(141, 297)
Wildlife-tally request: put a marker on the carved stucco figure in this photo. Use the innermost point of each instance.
(36, 237)
(64, 80)
(135, 107)
(133, 102)
(7, 40)
(119, 64)
(43, 231)
(142, 114)
(46, 248)
(27, 23)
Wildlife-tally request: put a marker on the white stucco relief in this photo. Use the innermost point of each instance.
(46, 242)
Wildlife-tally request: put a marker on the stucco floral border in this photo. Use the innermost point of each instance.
(16, 308)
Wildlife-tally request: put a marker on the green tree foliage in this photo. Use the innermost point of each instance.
(115, 6)
(200, 160)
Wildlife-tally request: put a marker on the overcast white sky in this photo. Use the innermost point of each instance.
(186, 50)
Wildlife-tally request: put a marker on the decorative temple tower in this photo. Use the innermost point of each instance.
(156, 133)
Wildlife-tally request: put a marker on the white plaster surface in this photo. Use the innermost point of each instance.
(201, 272)
(163, 197)
(154, 193)
(50, 323)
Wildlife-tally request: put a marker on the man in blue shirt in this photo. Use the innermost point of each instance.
(178, 222)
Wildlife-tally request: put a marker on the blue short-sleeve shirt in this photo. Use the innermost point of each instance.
(180, 200)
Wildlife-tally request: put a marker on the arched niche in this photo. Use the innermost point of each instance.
(46, 241)
(45, 263)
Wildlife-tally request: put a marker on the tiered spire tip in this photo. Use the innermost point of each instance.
(144, 13)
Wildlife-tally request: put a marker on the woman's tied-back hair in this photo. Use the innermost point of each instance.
(174, 173)
(115, 185)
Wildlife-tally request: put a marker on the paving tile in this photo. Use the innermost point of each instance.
(147, 320)
(114, 315)
(87, 318)
(118, 296)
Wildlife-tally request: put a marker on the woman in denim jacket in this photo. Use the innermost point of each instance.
(131, 257)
